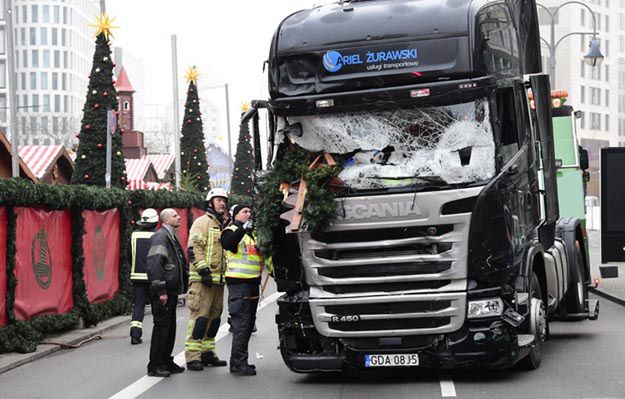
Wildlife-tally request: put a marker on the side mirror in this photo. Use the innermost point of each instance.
(583, 159)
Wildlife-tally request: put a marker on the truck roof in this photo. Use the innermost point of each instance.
(362, 21)
(372, 44)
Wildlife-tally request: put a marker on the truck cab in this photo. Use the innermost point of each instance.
(446, 249)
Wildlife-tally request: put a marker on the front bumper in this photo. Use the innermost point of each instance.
(497, 348)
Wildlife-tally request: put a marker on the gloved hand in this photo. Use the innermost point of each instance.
(248, 226)
(207, 278)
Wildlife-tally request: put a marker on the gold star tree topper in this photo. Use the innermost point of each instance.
(245, 106)
(104, 24)
(192, 75)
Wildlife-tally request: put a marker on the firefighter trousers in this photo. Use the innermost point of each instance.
(242, 305)
(205, 305)
(140, 297)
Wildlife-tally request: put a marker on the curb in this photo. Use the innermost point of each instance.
(607, 296)
(14, 360)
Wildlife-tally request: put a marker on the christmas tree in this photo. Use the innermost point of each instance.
(242, 183)
(101, 97)
(192, 150)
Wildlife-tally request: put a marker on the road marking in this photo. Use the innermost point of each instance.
(448, 390)
(144, 383)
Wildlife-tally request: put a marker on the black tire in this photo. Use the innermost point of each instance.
(576, 300)
(534, 358)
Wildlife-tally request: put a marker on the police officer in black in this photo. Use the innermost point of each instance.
(168, 276)
(139, 247)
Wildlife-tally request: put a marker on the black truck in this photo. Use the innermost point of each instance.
(448, 250)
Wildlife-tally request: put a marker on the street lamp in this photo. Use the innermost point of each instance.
(592, 58)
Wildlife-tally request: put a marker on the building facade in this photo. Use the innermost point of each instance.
(598, 92)
(54, 46)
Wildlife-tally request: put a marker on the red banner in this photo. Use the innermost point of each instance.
(100, 245)
(3, 266)
(43, 263)
(196, 213)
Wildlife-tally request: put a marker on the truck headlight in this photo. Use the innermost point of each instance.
(485, 308)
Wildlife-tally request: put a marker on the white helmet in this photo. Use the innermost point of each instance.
(149, 216)
(216, 192)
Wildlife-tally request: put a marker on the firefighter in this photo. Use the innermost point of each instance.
(206, 290)
(139, 247)
(243, 276)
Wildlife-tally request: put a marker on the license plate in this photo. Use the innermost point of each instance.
(398, 360)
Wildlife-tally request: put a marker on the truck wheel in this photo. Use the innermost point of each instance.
(577, 293)
(537, 326)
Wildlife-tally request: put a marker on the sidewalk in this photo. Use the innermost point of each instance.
(612, 288)
(9, 361)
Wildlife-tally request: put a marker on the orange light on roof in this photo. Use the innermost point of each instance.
(559, 94)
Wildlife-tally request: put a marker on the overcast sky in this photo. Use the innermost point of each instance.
(227, 40)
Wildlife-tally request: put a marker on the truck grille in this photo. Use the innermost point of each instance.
(389, 307)
(393, 324)
(333, 237)
(392, 269)
(401, 274)
(403, 250)
(412, 314)
(386, 287)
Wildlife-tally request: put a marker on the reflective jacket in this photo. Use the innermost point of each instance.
(205, 249)
(246, 262)
(139, 247)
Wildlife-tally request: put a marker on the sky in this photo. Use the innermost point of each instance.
(228, 41)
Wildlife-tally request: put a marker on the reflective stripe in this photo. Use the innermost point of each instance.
(193, 346)
(139, 276)
(200, 264)
(158, 250)
(247, 262)
(134, 237)
(195, 276)
(208, 344)
(137, 324)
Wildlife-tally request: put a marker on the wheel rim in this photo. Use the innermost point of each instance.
(539, 320)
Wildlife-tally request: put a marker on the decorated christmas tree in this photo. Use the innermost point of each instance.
(192, 151)
(101, 97)
(242, 183)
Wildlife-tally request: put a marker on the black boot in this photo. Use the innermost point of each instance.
(210, 360)
(135, 340)
(243, 370)
(195, 365)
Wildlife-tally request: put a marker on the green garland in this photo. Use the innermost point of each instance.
(319, 209)
(23, 336)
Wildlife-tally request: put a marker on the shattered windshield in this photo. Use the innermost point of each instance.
(450, 144)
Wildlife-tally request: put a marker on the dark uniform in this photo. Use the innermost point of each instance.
(243, 276)
(167, 274)
(139, 247)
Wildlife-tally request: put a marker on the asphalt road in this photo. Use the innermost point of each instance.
(582, 360)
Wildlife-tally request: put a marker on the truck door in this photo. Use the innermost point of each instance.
(515, 158)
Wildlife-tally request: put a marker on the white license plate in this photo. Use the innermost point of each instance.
(398, 360)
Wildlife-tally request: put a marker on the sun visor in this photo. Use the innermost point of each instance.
(368, 67)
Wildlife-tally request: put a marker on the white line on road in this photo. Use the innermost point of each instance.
(144, 383)
(448, 390)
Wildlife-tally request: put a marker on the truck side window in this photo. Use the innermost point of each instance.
(507, 125)
(497, 40)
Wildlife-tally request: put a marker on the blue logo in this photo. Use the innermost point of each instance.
(332, 61)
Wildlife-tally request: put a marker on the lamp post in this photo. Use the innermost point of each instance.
(592, 58)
